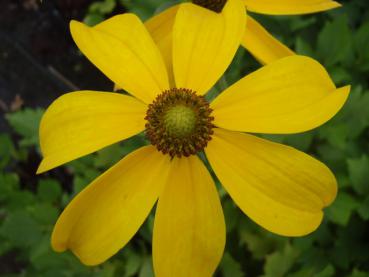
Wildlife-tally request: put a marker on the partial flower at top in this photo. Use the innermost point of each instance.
(280, 188)
(261, 44)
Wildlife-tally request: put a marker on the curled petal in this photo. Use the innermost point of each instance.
(107, 213)
(279, 187)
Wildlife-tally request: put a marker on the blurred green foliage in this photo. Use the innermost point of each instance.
(339, 39)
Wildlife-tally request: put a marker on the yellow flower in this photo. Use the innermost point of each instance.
(280, 188)
(261, 44)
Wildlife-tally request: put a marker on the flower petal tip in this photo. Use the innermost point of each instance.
(60, 243)
(41, 168)
(309, 229)
(345, 89)
(75, 28)
(86, 260)
(286, 7)
(336, 5)
(60, 247)
(344, 92)
(328, 201)
(45, 165)
(74, 24)
(57, 243)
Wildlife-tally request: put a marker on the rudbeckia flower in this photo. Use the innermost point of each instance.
(256, 39)
(280, 188)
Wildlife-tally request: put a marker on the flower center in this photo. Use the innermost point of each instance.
(179, 122)
(214, 5)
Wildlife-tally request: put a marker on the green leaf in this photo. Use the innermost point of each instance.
(42, 250)
(328, 271)
(146, 229)
(93, 19)
(300, 141)
(359, 273)
(340, 75)
(231, 214)
(44, 259)
(350, 244)
(359, 174)
(109, 156)
(20, 199)
(355, 113)
(341, 209)
(84, 172)
(102, 7)
(363, 209)
(336, 134)
(133, 263)
(20, 229)
(279, 263)
(331, 156)
(230, 267)
(9, 182)
(259, 242)
(361, 42)
(107, 270)
(44, 213)
(303, 47)
(334, 41)
(298, 22)
(49, 190)
(25, 123)
(146, 269)
(7, 150)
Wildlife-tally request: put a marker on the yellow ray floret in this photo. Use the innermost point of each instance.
(189, 202)
(215, 37)
(104, 217)
(256, 39)
(285, 97)
(114, 42)
(88, 121)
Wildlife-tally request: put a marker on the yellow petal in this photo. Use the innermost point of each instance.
(291, 95)
(160, 27)
(106, 214)
(280, 188)
(189, 229)
(123, 50)
(262, 45)
(285, 7)
(82, 122)
(205, 42)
